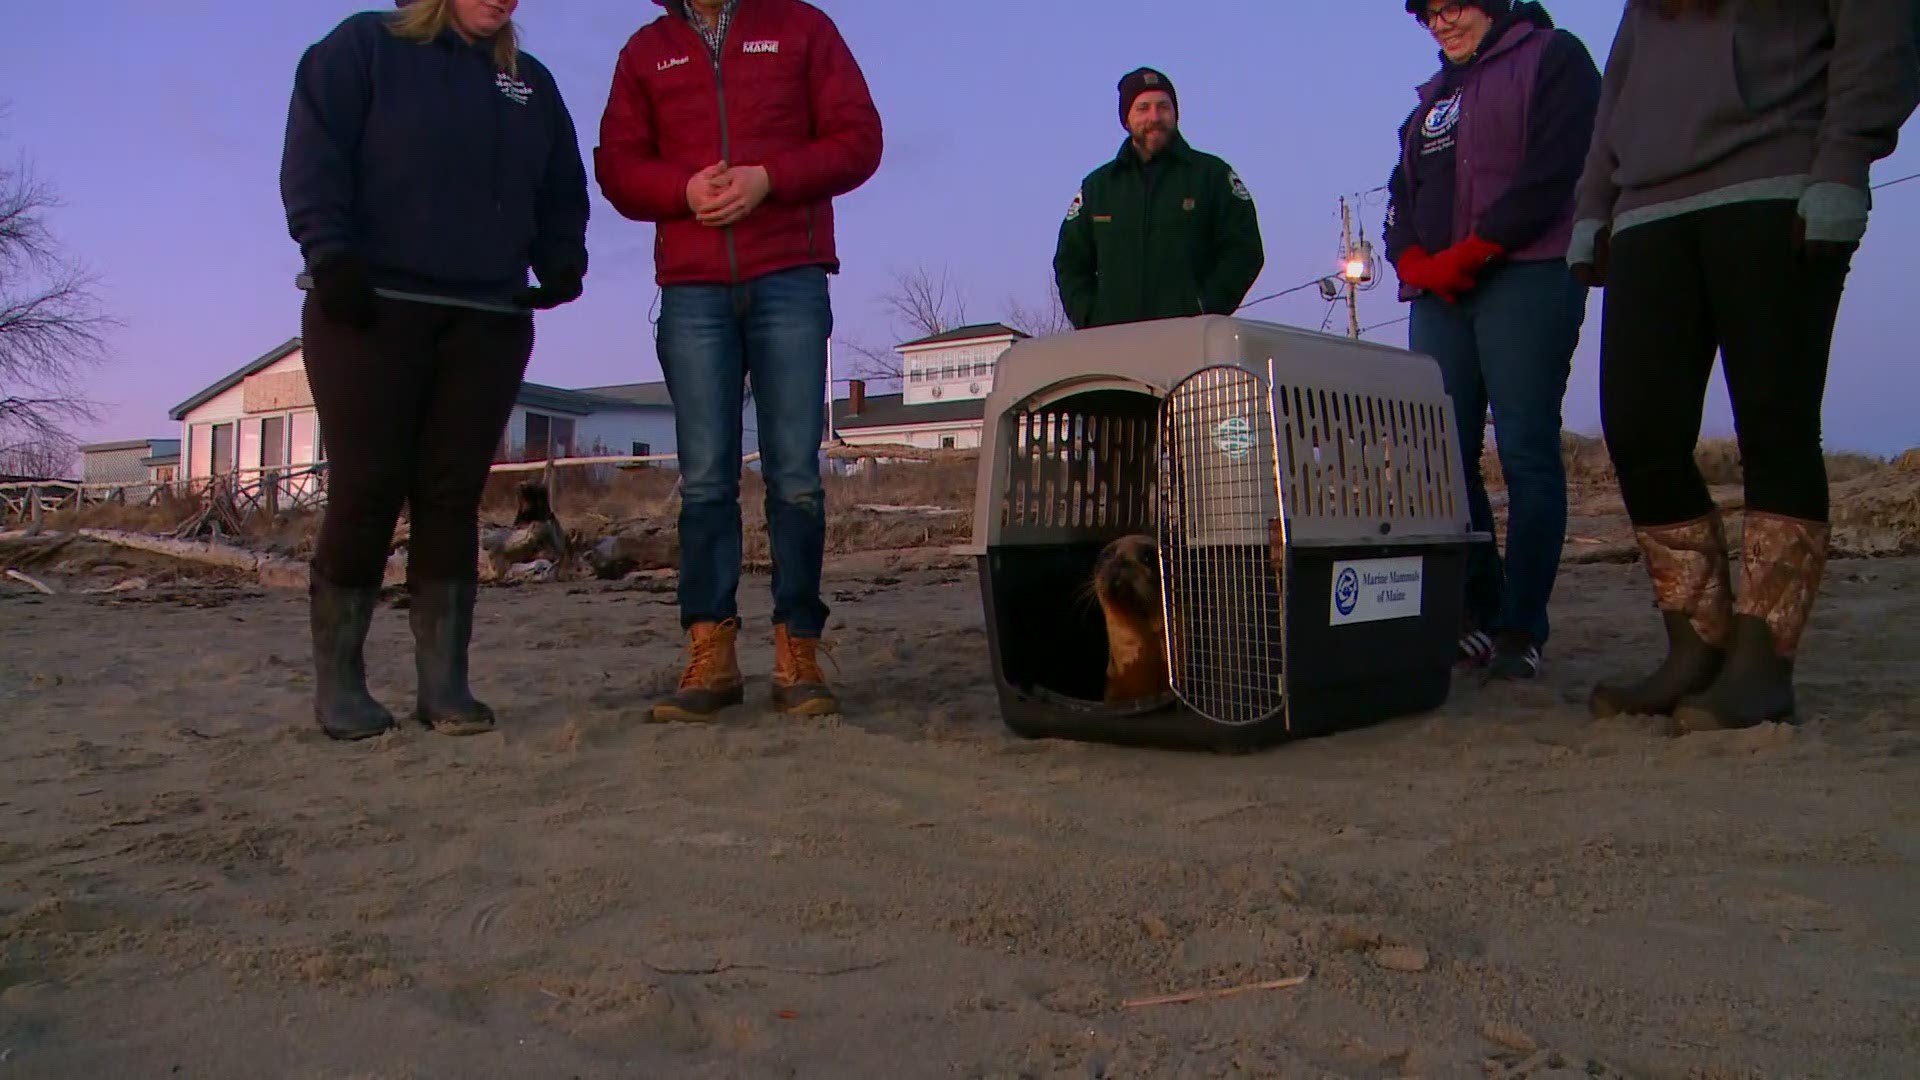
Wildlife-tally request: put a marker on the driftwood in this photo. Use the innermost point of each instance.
(31, 582)
(926, 511)
(272, 571)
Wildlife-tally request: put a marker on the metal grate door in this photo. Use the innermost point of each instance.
(1221, 553)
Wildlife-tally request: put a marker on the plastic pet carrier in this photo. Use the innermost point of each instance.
(1303, 498)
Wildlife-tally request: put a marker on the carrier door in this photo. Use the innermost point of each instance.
(1222, 551)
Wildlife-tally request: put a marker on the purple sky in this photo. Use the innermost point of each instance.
(160, 126)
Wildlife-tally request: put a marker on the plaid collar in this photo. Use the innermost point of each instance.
(715, 35)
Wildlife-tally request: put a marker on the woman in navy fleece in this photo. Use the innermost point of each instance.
(429, 164)
(1724, 195)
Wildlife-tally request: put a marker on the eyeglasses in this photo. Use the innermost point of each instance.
(1448, 14)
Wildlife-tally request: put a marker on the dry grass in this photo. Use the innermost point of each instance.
(1588, 465)
(1876, 503)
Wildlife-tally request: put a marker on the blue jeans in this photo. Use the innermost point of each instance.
(711, 339)
(1509, 344)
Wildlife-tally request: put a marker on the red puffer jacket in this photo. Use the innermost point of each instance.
(786, 95)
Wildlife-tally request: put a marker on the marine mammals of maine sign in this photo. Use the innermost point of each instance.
(1375, 590)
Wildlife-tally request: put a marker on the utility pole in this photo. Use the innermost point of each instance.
(1351, 278)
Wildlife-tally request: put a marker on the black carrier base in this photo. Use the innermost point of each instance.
(1049, 652)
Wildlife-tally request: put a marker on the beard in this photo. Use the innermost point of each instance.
(1153, 136)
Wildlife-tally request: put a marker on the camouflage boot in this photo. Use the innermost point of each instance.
(1688, 565)
(1782, 560)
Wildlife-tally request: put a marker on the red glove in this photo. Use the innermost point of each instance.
(1460, 264)
(1428, 273)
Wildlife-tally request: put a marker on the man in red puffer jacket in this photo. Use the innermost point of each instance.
(731, 125)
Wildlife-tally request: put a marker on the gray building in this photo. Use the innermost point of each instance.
(137, 463)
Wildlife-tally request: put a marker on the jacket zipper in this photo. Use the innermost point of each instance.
(720, 90)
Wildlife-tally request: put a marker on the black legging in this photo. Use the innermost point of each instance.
(1725, 278)
(411, 410)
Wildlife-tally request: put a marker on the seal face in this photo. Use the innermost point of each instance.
(1126, 582)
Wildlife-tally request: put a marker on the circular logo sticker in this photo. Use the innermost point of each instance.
(1234, 437)
(1346, 591)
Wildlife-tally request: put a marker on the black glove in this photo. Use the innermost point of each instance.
(343, 291)
(564, 288)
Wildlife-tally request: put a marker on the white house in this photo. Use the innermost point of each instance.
(262, 417)
(945, 380)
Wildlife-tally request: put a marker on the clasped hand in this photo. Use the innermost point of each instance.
(720, 194)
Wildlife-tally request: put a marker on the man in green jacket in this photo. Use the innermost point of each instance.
(1162, 231)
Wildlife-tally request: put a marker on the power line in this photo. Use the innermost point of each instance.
(1901, 180)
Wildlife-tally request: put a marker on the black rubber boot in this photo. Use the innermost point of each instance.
(339, 619)
(1690, 667)
(1754, 687)
(442, 616)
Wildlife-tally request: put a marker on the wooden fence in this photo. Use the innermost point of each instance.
(245, 492)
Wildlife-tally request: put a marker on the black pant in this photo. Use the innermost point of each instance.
(1725, 278)
(411, 410)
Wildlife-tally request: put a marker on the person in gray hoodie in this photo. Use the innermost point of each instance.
(1725, 191)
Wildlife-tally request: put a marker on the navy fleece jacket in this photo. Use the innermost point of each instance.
(450, 177)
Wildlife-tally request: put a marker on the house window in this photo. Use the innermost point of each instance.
(273, 442)
(641, 449)
(223, 461)
(548, 437)
(946, 442)
(163, 474)
(305, 429)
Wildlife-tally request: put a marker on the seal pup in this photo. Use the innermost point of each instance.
(1126, 583)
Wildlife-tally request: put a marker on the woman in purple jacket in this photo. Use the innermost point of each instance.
(1724, 195)
(1478, 221)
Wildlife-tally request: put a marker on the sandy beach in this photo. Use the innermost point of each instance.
(194, 882)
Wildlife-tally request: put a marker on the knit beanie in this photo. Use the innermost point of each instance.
(1139, 81)
(1494, 8)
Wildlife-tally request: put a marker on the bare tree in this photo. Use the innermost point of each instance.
(51, 332)
(1044, 320)
(917, 304)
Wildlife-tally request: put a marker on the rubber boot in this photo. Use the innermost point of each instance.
(711, 680)
(442, 616)
(339, 619)
(799, 686)
(1687, 563)
(1782, 560)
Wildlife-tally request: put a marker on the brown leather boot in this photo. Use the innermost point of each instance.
(1782, 560)
(1688, 565)
(711, 681)
(799, 686)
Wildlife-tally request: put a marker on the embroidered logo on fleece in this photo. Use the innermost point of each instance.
(669, 65)
(512, 88)
(765, 45)
(1437, 128)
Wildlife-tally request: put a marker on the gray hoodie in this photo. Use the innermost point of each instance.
(1761, 100)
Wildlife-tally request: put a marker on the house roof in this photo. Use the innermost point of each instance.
(172, 458)
(649, 394)
(533, 395)
(277, 353)
(889, 410)
(127, 444)
(975, 332)
(555, 399)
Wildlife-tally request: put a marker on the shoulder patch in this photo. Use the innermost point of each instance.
(1073, 208)
(1238, 186)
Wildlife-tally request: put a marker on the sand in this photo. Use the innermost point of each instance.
(194, 883)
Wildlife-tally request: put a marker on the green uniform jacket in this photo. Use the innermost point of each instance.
(1169, 238)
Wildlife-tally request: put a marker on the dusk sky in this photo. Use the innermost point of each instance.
(160, 127)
